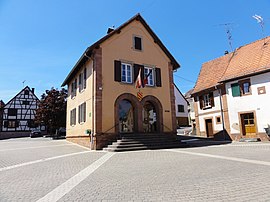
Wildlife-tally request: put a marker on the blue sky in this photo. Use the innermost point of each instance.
(40, 41)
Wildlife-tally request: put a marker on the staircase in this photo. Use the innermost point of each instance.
(131, 142)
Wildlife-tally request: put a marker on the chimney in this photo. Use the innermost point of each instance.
(226, 52)
(110, 29)
(33, 90)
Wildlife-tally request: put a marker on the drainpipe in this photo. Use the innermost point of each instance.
(221, 111)
(93, 130)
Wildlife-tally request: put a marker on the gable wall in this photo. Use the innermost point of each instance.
(180, 100)
(120, 47)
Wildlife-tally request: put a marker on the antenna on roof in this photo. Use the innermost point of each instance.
(228, 29)
(23, 83)
(261, 22)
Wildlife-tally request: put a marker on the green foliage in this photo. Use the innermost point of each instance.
(52, 109)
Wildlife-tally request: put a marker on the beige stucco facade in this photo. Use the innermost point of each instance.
(103, 94)
(120, 47)
(86, 95)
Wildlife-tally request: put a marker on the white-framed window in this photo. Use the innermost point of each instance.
(126, 73)
(82, 113)
(181, 108)
(148, 76)
(206, 101)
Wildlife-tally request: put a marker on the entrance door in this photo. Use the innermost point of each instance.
(149, 118)
(248, 125)
(209, 128)
(126, 117)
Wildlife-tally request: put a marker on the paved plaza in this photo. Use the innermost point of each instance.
(42, 169)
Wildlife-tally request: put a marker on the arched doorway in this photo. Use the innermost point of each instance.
(152, 116)
(149, 118)
(126, 116)
(127, 111)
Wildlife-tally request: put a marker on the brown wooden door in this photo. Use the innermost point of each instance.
(209, 128)
(248, 125)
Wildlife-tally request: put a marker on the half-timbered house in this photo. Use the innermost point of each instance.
(19, 113)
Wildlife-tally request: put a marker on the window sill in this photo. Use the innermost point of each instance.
(246, 94)
(205, 108)
(81, 91)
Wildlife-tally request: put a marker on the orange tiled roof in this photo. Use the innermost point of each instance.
(249, 59)
(211, 73)
(245, 61)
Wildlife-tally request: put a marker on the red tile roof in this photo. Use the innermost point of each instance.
(211, 73)
(253, 58)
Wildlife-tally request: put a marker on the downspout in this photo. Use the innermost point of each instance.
(221, 111)
(93, 104)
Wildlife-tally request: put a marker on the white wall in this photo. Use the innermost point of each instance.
(180, 100)
(255, 102)
(210, 113)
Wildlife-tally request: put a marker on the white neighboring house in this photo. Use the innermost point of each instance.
(18, 115)
(249, 109)
(191, 112)
(181, 108)
(232, 94)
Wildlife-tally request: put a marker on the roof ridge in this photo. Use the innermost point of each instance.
(253, 42)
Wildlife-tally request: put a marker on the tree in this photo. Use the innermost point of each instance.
(52, 109)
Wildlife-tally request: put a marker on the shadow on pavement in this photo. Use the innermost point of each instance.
(195, 141)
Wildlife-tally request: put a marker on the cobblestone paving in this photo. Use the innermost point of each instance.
(160, 175)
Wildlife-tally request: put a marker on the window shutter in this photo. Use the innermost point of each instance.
(142, 73)
(84, 78)
(6, 124)
(201, 102)
(158, 77)
(84, 112)
(136, 70)
(211, 97)
(75, 116)
(117, 71)
(235, 90)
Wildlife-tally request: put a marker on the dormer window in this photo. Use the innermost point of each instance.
(137, 43)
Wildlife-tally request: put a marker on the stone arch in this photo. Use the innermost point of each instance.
(137, 110)
(159, 110)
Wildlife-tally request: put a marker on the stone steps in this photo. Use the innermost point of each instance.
(131, 142)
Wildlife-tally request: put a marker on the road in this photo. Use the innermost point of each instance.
(42, 169)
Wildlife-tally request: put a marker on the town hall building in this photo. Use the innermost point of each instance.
(123, 83)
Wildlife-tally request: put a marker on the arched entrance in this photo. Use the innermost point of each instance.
(127, 111)
(152, 116)
(149, 118)
(126, 116)
(134, 116)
